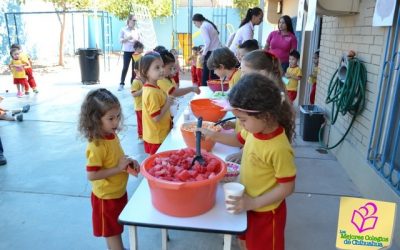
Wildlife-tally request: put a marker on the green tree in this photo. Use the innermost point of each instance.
(122, 8)
(244, 5)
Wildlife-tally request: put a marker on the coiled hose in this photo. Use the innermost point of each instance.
(347, 96)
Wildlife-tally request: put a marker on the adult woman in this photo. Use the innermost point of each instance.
(281, 42)
(128, 36)
(245, 32)
(209, 32)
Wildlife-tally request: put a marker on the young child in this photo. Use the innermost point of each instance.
(137, 54)
(136, 91)
(268, 168)
(193, 60)
(199, 66)
(312, 79)
(246, 47)
(28, 70)
(99, 121)
(156, 103)
(293, 73)
(17, 67)
(13, 114)
(223, 62)
(167, 83)
(177, 66)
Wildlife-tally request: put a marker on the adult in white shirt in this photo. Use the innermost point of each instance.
(128, 36)
(245, 32)
(209, 32)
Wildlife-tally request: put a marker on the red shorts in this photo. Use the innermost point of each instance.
(292, 95)
(22, 81)
(266, 230)
(105, 215)
(151, 148)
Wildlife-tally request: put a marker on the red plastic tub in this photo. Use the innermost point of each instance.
(182, 199)
(188, 133)
(207, 109)
(215, 85)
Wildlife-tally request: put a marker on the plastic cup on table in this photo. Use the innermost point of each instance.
(232, 189)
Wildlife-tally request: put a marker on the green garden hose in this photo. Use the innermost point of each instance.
(346, 96)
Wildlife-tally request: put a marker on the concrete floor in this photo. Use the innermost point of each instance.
(44, 193)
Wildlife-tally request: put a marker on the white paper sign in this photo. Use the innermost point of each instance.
(312, 9)
(300, 14)
(384, 12)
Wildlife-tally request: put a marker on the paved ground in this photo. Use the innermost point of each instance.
(44, 193)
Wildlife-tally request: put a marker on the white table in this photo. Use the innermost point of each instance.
(140, 212)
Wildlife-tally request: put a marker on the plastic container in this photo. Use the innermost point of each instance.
(215, 85)
(207, 109)
(89, 65)
(182, 199)
(232, 172)
(190, 137)
(311, 120)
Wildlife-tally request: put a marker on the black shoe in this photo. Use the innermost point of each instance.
(26, 108)
(3, 160)
(19, 117)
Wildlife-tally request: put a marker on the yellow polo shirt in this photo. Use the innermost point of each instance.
(18, 74)
(153, 99)
(312, 79)
(137, 85)
(234, 78)
(102, 154)
(26, 58)
(199, 63)
(136, 57)
(296, 72)
(267, 160)
(167, 85)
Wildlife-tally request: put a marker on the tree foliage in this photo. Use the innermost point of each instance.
(243, 6)
(121, 8)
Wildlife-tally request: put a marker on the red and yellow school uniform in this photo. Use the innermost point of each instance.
(292, 84)
(234, 78)
(193, 61)
(154, 133)
(28, 70)
(137, 85)
(136, 56)
(199, 69)
(167, 85)
(267, 160)
(108, 195)
(312, 79)
(19, 74)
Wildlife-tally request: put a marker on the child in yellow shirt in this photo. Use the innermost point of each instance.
(17, 66)
(28, 70)
(136, 91)
(312, 79)
(224, 62)
(293, 73)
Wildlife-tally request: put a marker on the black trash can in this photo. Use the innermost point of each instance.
(311, 119)
(89, 65)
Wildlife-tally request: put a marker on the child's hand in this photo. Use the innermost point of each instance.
(123, 163)
(206, 133)
(241, 204)
(133, 167)
(196, 89)
(228, 125)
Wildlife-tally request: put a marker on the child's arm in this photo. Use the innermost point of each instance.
(137, 93)
(164, 109)
(107, 172)
(224, 138)
(278, 193)
(183, 91)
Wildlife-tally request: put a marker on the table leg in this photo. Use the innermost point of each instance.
(164, 236)
(132, 238)
(227, 241)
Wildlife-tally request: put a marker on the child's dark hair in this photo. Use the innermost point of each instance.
(316, 52)
(96, 104)
(249, 45)
(159, 48)
(222, 56)
(200, 18)
(146, 61)
(167, 57)
(262, 60)
(258, 92)
(17, 46)
(136, 65)
(12, 50)
(195, 48)
(295, 54)
(138, 45)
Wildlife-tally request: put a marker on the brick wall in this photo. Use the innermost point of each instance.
(339, 35)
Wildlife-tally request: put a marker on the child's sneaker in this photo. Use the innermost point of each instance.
(19, 94)
(26, 92)
(35, 91)
(26, 108)
(19, 117)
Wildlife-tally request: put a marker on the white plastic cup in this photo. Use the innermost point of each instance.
(232, 189)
